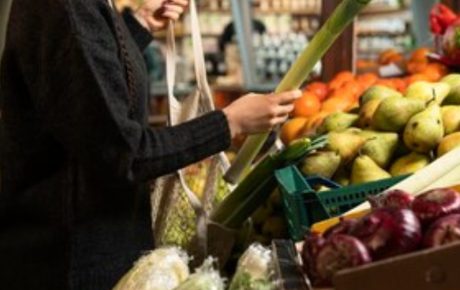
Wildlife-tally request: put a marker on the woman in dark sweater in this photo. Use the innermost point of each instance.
(76, 149)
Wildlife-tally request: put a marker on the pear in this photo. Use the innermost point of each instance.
(409, 164)
(322, 163)
(346, 144)
(453, 98)
(342, 177)
(366, 170)
(393, 113)
(451, 119)
(427, 91)
(424, 130)
(381, 148)
(337, 122)
(367, 112)
(449, 143)
(378, 93)
(452, 80)
(401, 149)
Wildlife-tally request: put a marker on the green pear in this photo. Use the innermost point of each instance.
(337, 122)
(449, 143)
(427, 91)
(381, 148)
(425, 130)
(452, 80)
(366, 170)
(451, 119)
(346, 144)
(393, 113)
(342, 177)
(367, 112)
(409, 164)
(378, 92)
(322, 163)
(453, 98)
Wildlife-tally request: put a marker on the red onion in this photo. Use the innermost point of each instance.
(450, 45)
(436, 203)
(340, 252)
(394, 198)
(388, 232)
(344, 227)
(311, 247)
(444, 231)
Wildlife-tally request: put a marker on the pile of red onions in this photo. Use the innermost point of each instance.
(398, 224)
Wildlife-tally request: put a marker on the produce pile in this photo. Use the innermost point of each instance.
(398, 224)
(390, 134)
(343, 92)
(167, 269)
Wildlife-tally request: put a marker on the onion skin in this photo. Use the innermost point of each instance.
(445, 230)
(338, 253)
(388, 232)
(313, 243)
(344, 228)
(394, 199)
(435, 204)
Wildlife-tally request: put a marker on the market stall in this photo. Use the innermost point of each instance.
(364, 193)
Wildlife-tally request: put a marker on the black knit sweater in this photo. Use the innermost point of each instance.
(75, 164)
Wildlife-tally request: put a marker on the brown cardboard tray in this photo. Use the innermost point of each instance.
(432, 269)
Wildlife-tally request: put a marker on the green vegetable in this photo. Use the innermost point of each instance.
(256, 188)
(298, 73)
(205, 278)
(254, 270)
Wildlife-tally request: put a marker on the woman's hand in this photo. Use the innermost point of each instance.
(252, 114)
(155, 14)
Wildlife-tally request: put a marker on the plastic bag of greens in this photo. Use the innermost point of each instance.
(254, 270)
(162, 269)
(205, 278)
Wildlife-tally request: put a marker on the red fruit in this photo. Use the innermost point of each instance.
(311, 247)
(436, 203)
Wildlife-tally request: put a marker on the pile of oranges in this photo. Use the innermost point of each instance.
(342, 93)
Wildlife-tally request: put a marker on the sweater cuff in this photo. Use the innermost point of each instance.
(214, 131)
(141, 35)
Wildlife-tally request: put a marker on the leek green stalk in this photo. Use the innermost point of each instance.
(298, 73)
(256, 188)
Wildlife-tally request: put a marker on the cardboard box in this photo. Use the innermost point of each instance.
(433, 269)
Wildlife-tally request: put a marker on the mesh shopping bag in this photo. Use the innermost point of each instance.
(181, 201)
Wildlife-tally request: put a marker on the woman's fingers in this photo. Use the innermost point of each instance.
(284, 110)
(287, 97)
(183, 3)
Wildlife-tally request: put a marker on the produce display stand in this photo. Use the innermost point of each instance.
(433, 269)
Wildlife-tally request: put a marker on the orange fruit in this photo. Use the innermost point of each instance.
(314, 122)
(307, 105)
(353, 88)
(390, 56)
(420, 55)
(337, 104)
(414, 67)
(435, 71)
(367, 80)
(415, 78)
(340, 79)
(291, 130)
(320, 89)
(399, 84)
(387, 83)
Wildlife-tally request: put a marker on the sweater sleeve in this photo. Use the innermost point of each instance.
(82, 98)
(138, 32)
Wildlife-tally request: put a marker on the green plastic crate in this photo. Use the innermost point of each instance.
(303, 207)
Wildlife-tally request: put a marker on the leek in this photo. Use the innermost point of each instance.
(256, 188)
(298, 73)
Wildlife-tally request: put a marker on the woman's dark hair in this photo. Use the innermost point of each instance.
(125, 60)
